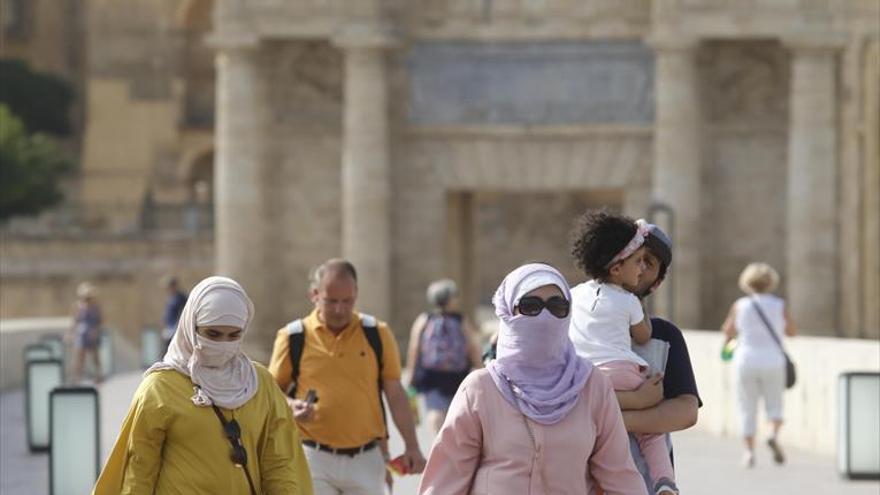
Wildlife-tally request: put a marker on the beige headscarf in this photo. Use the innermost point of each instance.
(222, 373)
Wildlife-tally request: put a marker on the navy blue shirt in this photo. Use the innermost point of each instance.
(173, 308)
(679, 377)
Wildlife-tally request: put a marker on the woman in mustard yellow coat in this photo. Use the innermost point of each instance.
(206, 419)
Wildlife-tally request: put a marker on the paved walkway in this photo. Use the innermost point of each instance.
(706, 464)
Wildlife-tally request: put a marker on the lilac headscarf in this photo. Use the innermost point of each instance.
(537, 369)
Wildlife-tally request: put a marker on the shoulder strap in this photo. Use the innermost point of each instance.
(233, 434)
(371, 331)
(767, 323)
(296, 340)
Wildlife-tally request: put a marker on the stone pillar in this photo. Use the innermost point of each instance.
(811, 230)
(678, 168)
(366, 188)
(239, 166)
(870, 249)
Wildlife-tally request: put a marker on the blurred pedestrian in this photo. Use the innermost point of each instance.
(442, 350)
(668, 402)
(538, 419)
(173, 308)
(206, 419)
(85, 334)
(758, 321)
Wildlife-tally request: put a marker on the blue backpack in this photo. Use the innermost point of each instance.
(443, 345)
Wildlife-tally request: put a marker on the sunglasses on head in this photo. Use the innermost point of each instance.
(532, 306)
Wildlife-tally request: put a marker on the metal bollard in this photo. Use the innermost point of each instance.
(41, 376)
(75, 429)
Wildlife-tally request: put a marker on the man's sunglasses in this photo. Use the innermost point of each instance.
(533, 305)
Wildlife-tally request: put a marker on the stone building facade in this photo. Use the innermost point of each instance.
(458, 138)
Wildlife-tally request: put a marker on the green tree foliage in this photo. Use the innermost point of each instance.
(30, 168)
(42, 101)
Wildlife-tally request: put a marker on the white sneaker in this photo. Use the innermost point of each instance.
(748, 460)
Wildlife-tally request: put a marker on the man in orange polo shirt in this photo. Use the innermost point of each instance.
(337, 350)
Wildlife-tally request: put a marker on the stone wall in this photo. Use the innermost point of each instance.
(514, 228)
(150, 123)
(38, 276)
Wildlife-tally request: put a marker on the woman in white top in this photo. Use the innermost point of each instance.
(759, 362)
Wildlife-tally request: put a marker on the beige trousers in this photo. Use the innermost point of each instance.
(363, 474)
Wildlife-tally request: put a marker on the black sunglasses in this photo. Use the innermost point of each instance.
(533, 305)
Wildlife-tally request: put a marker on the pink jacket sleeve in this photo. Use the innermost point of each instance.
(455, 456)
(611, 464)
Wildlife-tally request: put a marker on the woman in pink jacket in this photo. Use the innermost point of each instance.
(537, 420)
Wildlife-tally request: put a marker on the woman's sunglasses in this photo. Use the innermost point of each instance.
(533, 305)
(233, 433)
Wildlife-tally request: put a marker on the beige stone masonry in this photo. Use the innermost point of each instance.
(677, 166)
(812, 231)
(366, 189)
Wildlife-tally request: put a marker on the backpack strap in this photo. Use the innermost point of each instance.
(296, 341)
(371, 331)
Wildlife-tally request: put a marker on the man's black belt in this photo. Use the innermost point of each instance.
(351, 452)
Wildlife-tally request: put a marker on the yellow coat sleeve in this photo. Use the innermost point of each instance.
(280, 444)
(134, 463)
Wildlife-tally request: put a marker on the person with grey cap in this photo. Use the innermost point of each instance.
(666, 401)
(442, 350)
(672, 399)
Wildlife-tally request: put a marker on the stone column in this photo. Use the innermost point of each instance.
(812, 243)
(678, 168)
(366, 188)
(239, 167)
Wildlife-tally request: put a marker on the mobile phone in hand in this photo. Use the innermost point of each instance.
(311, 396)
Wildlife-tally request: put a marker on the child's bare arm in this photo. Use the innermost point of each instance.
(641, 331)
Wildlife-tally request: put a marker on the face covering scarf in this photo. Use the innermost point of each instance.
(536, 369)
(222, 374)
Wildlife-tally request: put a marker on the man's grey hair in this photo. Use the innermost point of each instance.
(331, 267)
(440, 292)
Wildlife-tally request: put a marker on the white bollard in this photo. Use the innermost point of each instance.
(858, 444)
(74, 459)
(41, 376)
